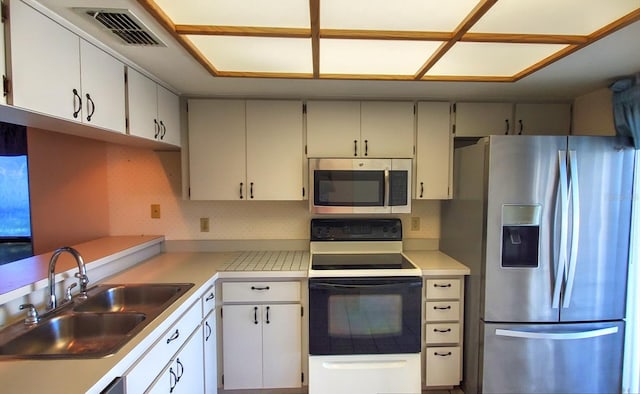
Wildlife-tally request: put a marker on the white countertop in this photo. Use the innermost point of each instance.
(81, 375)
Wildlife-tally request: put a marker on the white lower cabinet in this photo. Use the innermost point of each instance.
(184, 374)
(161, 358)
(443, 366)
(262, 343)
(443, 331)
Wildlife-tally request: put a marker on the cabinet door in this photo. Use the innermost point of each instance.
(185, 373)
(333, 128)
(282, 343)
(443, 366)
(543, 119)
(103, 93)
(274, 150)
(169, 116)
(45, 64)
(142, 105)
(434, 155)
(387, 129)
(210, 354)
(242, 346)
(217, 163)
(482, 119)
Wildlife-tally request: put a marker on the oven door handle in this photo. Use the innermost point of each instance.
(328, 285)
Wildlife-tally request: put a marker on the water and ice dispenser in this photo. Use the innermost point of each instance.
(520, 235)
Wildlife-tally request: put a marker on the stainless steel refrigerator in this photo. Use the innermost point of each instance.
(543, 223)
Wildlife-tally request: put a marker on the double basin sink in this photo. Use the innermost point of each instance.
(96, 327)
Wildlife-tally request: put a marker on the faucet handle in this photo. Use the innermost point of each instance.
(67, 292)
(32, 314)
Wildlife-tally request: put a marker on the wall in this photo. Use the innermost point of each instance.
(138, 178)
(68, 189)
(593, 113)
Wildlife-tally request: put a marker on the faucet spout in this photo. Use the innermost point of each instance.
(81, 274)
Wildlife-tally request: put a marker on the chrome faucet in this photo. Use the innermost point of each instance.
(81, 275)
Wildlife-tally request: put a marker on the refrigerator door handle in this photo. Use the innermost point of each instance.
(560, 335)
(575, 228)
(564, 228)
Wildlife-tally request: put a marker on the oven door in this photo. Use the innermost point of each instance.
(376, 315)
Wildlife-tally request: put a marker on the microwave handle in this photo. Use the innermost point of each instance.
(386, 188)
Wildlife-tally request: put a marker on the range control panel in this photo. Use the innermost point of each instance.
(356, 230)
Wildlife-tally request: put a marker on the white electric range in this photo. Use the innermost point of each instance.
(364, 309)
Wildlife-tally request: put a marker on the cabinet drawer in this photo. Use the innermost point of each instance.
(443, 366)
(260, 291)
(208, 301)
(151, 364)
(442, 333)
(439, 289)
(443, 311)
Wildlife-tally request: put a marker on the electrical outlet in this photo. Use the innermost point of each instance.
(415, 224)
(155, 211)
(204, 225)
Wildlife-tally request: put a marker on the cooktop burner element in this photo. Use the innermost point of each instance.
(369, 261)
(358, 248)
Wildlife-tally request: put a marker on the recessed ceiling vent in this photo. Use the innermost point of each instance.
(124, 24)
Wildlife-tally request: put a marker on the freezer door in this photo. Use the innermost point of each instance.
(521, 258)
(552, 358)
(601, 220)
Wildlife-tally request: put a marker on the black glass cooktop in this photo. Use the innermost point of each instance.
(359, 261)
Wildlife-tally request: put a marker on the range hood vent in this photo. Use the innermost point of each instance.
(124, 24)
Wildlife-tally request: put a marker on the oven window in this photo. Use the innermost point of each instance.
(377, 315)
(349, 188)
(365, 315)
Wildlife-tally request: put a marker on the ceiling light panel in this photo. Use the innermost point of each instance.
(491, 59)
(417, 15)
(280, 13)
(382, 57)
(580, 17)
(256, 54)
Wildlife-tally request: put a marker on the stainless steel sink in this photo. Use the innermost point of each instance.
(75, 334)
(132, 298)
(96, 327)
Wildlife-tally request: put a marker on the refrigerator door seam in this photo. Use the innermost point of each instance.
(564, 218)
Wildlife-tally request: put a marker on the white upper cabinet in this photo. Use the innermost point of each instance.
(245, 150)
(360, 129)
(52, 71)
(217, 143)
(102, 81)
(333, 128)
(434, 151)
(541, 119)
(154, 112)
(274, 150)
(483, 119)
(387, 129)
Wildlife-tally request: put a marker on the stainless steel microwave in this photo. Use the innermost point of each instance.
(344, 186)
